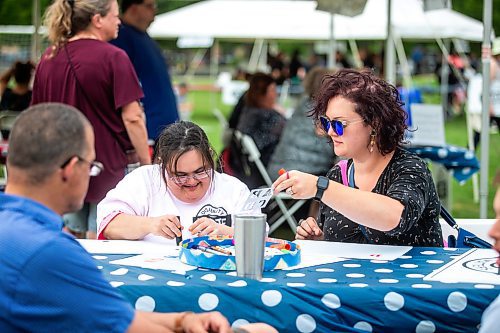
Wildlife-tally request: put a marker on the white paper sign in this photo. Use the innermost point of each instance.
(474, 266)
(351, 250)
(427, 125)
(124, 246)
(151, 261)
(258, 197)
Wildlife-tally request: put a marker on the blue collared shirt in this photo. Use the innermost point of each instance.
(49, 283)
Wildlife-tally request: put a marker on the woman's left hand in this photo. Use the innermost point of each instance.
(205, 226)
(299, 185)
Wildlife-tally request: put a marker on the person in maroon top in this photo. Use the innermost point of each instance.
(83, 70)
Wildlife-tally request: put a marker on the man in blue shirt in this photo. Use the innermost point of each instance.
(49, 282)
(160, 104)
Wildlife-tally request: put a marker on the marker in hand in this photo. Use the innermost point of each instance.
(282, 171)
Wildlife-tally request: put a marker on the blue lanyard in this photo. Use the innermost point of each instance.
(350, 172)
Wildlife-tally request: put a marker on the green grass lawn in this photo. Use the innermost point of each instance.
(456, 134)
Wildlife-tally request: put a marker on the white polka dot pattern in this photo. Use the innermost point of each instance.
(271, 298)
(209, 277)
(305, 323)
(325, 270)
(484, 286)
(457, 301)
(145, 303)
(175, 284)
(363, 326)
(331, 300)
(239, 322)
(208, 302)
(421, 286)
(239, 283)
(268, 280)
(415, 276)
(295, 274)
(119, 271)
(351, 265)
(355, 275)
(425, 326)
(145, 277)
(394, 301)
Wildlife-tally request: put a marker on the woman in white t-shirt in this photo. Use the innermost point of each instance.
(180, 195)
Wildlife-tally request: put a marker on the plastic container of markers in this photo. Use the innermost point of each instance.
(217, 252)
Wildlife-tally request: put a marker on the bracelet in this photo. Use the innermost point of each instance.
(178, 321)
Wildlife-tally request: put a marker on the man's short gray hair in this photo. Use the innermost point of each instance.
(44, 136)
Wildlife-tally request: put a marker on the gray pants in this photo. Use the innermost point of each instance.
(83, 220)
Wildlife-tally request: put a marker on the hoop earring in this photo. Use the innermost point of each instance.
(372, 141)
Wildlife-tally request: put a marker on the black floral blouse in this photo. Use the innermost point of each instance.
(406, 179)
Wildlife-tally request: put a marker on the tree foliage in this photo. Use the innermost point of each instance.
(19, 12)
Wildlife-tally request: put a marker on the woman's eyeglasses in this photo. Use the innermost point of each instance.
(336, 125)
(95, 167)
(181, 180)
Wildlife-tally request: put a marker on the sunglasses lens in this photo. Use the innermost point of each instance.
(325, 123)
(338, 127)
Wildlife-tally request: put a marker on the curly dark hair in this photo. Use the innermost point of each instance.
(179, 138)
(377, 102)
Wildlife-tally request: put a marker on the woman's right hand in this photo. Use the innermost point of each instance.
(167, 226)
(309, 229)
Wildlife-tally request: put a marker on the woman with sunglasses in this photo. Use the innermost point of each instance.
(180, 196)
(389, 196)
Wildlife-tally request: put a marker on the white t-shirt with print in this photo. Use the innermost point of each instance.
(143, 193)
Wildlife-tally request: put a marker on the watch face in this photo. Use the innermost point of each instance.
(323, 182)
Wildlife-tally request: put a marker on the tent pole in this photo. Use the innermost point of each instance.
(445, 71)
(214, 69)
(403, 61)
(485, 125)
(35, 39)
(255, 55)
(355, 54)
(333, 52)
(390, 59)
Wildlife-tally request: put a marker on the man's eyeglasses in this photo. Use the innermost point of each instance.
(181, 180)
(336, 125)
(95, 167)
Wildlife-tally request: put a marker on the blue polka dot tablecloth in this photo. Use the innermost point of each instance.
(348, 296)
(462, 163)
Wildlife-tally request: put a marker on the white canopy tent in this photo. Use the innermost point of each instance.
(299, 20)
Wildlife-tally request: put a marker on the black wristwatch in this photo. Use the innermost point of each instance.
(321, 186)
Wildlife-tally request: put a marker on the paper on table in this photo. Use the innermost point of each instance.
(307, 260)
(166, 262)
(258, 197)
(124, 246)
(474, 266)
(351, 250)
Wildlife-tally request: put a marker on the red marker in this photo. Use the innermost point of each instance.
(282, 171)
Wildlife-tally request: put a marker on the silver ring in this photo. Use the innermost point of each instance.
(290, 191)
